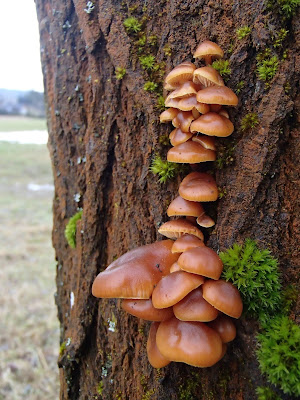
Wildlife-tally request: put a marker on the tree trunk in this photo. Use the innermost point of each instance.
(103, 133)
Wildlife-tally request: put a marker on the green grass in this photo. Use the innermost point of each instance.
(29, 332)
(16, 123)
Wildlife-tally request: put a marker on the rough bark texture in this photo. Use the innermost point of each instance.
(103, 134)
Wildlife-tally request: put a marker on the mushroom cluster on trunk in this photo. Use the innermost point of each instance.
(176, 283)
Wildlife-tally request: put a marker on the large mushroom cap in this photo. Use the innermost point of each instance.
(177, 227)
(186, 242)
(224, 297)
(190, 153)
(135, 274)
(182, 207)
(202, 261)
(156, 359)
(207, 76)
(144, 309)
(174, 287)
(193, 343)
(194, 308)
(198, 186)
(221, 95)
(225, 328)
(212, 124)
(208, 50)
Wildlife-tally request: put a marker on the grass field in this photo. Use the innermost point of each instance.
(29, 331)
(16, 123)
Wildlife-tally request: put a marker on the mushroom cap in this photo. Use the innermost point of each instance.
(181, 73)
(193, 343)
(194, 308)
(135, 274)
(217, 95)
(175, 267)
(186, 242)
(182, 207)
(212, 124)
(208, 142)
(183, 120)
(207, 76)
(208, 48)
(177, 136)
(225, 328)
(202, 261)
(169, 102)
(198, 186)
(156, 359)
(223, 112)
(168, 115)
(177, 227)
(190, 152)
(205, 221)
(185, 90)
(144, 309)
(174, 287)
(224, 297)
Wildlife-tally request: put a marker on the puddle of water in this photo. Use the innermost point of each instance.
(33, 187)
(25, 137)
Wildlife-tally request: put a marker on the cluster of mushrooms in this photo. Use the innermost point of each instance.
(175, 283)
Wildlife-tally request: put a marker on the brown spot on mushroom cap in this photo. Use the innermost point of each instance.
(168, 115)
(208, 50)
(194, 308)
(190, 152)
(156, 359)
(177, 136)
(183, 120)
(217, 95)
(198, 186)
(185, 90)
(212, 124)
(177, 227)
(134, 274)
(144, 309)
(224, 297)
(203, 261)
(174, 287)
(205, 221)
(208, 142)
(193, 343)
(181, 73)
(186, 242)
(225, 328)
(207, 76)
(182, 207)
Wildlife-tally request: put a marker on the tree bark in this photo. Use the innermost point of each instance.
(103, 134)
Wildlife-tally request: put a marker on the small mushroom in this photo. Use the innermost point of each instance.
(190, 153)
(198, 186)
(177, 227)
(205, 221)
(180, 74)
(177, 136)
(225, 328)
(144, 309)
(208, 51)
(168, 115)
(185, 90)
(212, 124)
(183, 120)
(217, 95)
(207, 76)
(208, 142)
(186, 242)
(182, 207)
(156, 359)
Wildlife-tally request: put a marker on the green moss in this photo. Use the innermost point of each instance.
(249, 121)
(222, 66)
(152, 40)
(255, 273)
(280, 37)
(164, 140)
(70, 231)
(289, 298)
(225, 155)
(167, 50)
(150, 86)
(164, 169)
(279, 354)
(62, 348)
(120, 73)
(222, 192)
(287, 8)
(132, 25)
(267, 67)
(239, 87)
(147, 62)
(160, 104)
(100, 388)
(243, 32)
(266, 393)
(189, 389)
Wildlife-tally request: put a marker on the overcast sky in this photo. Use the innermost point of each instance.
(20, 66)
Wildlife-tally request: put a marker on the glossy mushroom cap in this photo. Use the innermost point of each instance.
(177, 137)
(193, 343)
(181, 73)
(182, 207)
(144, 309)
(198, 186)
(135, 274)
(205, 221)
(212, 124)
(168, 115)
(175, 267)
(194, 308)
(177, 227)
(186, 242)
(202, 261)
(190, 153)
(156, 359)
(217, 95)
(224, 297)
(183, 120)
(208, 50)
(225, 328)
(174, 287)
(208, 142)
(207, 76)
(185, 90)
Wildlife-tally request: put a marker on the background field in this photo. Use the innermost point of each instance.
(15, 123)
(29, 332)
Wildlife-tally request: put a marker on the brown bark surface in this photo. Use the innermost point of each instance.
(103, 135)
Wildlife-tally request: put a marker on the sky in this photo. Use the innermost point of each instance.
(20, 66)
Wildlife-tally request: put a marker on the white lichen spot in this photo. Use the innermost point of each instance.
(104, 372)
(66, 25)
(89, 7)
(68, 341)
(84, 159)
(111, 325)
(79, 160)
(72, 299)
(77, 197)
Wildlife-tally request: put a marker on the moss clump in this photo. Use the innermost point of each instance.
(255, 273)
(62, 348)
(100, 388)
(150, 86)
(266, 393)
(165, 169)
(70, 231)
(280, 37)
(222, 66)
(243, 32)
(132, 25)
(167, 50)
(267, 67)
(120, 73)
(147, 62)
(239, 87)
(279, 354)
(225, 156)
(287, 8)
(249, 121)
(160, 104)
